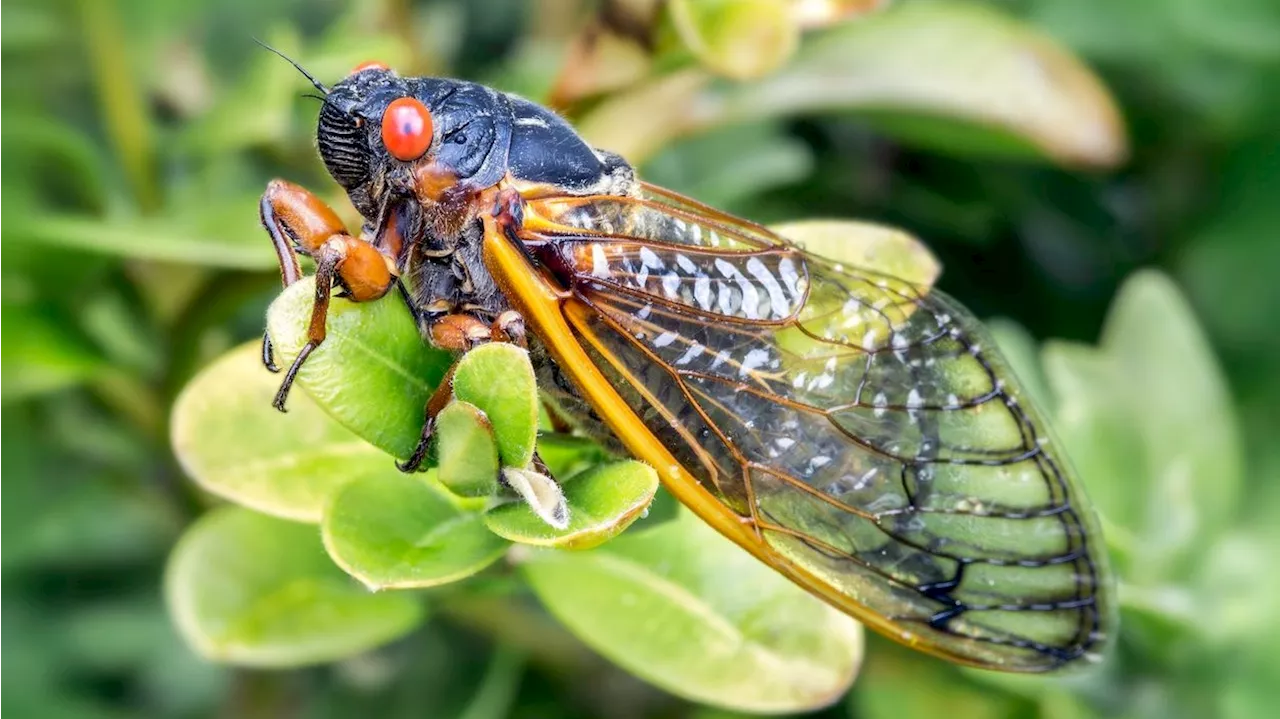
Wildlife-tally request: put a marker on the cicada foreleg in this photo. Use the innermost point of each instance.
(300, 222)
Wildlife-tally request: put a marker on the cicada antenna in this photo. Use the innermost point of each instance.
(311, 78)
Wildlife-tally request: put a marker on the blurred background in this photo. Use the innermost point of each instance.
(1100, 180)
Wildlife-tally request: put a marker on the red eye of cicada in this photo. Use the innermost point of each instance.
(369, 65)
(406, 129)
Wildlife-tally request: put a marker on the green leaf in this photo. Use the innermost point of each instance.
(373, 374)
(401, 532)
(466, 452)
(179, 239)
(684, 608)
(1181, 404)
(602, 503)
(498, 379)
(1097, 428)
(1149, 422)
(233, 443)
(901, 684)
(248, 589)
(739, 39)
(957, 77)
(42, 355)
(1237, 600)
(945, 62)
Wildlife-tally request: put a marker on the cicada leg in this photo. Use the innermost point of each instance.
(299, 222)
(459, 332)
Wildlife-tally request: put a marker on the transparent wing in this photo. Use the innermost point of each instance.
(868, 430)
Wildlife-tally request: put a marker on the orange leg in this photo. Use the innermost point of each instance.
(460, 332)
(299, 222)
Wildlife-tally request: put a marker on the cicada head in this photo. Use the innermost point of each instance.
(384, 137)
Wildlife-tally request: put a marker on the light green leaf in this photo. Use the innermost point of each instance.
(684, 608)
(248, 589)
(949, 62)
(739, 39)
(1098, 430)
(401, 532)
(1183, 409)
(498, 379)
(602, 503)
(373, 374)
(1236, 600)
(233, 443)
(466, 452)
(1149, 423)
(238, 244)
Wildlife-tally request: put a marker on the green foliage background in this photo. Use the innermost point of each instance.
(137, 135)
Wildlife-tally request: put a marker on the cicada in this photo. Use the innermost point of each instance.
(859, 434)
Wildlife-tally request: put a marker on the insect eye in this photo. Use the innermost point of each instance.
(406, 129)
(368, 65)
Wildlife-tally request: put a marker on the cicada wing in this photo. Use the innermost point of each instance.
(866, 430)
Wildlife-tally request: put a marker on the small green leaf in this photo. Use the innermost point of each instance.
(602, 503)
(739, 39)
(1182, 406)
(466, 453)
(498, 379)
(232, 442)
(248, 589)
(373, 374)
(686, 609)
(401, 532)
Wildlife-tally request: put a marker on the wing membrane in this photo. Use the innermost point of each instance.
(866, 429)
